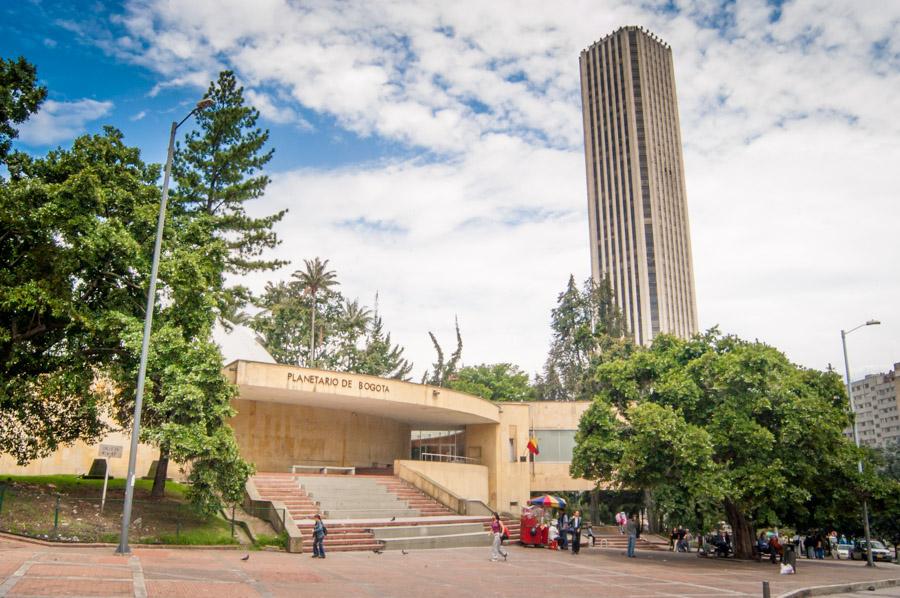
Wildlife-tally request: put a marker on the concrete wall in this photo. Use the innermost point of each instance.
(76, 459)
(552, 415)
(464, 480)
(275, 436)
(554, 477)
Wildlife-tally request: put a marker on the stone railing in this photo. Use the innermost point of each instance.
(276, 513)
(451, 500)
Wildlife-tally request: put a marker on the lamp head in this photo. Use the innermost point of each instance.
(873, 323)
(204, 104)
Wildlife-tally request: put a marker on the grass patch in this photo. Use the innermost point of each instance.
(68, 508)
(263, 540)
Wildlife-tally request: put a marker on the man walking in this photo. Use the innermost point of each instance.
(575, 526)
(319, 533)
(631, 528)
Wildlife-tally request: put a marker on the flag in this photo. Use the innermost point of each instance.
(532, 446)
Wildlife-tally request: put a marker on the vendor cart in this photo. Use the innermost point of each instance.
(533, 531)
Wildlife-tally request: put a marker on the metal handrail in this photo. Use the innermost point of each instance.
(447, 458)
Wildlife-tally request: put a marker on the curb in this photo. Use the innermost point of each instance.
(39, 542)
(840, 588)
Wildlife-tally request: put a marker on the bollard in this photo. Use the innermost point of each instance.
(766, 592)
(56, 517)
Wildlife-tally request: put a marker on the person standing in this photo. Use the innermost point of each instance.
(631, 528)
(563, 527)
(319, 533)
(575, 526)
(497, 534)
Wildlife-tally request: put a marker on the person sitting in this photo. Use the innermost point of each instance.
(553, 536)
(776, 550)
(721, 545)
(762, 545)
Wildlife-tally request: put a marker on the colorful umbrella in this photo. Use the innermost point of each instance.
(554, 502)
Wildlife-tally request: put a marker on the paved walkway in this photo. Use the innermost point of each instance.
(32, 570)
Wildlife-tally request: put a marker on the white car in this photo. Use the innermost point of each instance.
(843, 550)
(879, 551)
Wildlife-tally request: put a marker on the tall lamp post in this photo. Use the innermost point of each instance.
(844, 334)
(148, 323)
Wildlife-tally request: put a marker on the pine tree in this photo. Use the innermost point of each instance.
(444, 372)
(588, 327)
(218, 170)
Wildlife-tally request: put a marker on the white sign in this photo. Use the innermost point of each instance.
(111, 451)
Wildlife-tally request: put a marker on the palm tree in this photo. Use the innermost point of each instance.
(356, 317)
(314, 279)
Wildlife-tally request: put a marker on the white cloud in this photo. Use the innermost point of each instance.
(59, 121)
(789, 130)
(139, 116)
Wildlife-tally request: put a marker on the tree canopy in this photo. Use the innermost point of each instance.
(494, 382)
(349, 336)
(720, 425)
(588, 328)
(20, 97)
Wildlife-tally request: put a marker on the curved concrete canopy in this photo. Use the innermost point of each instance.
(415, 404)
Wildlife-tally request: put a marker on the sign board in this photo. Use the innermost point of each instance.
(111, 451)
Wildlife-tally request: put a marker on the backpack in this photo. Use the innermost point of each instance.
(504, 532)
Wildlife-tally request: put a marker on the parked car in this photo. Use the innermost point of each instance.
(844, 550)
(879, 551)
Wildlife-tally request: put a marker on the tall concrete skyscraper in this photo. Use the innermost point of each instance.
(640, 237)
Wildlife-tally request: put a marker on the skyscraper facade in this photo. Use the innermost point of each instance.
(637, 204)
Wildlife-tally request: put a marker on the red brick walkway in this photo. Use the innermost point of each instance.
(31, 570)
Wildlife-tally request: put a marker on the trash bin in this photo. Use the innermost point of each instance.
(790, 556)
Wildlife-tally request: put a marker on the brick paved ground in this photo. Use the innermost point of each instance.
(32, 570)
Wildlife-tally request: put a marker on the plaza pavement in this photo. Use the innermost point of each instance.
(38, 570)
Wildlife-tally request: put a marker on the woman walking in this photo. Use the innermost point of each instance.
(497, 533)
(319, 533)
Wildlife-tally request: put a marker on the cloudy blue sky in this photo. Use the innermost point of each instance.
(433, 150)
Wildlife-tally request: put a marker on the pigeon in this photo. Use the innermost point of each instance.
(403, 551)
(393, 518)
(246, 557)
(378, 551)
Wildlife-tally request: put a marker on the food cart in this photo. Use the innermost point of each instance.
(534, 529)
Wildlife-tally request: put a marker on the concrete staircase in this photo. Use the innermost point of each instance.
(365, 497)
(285, 488)
(373, 512)
(608, 536)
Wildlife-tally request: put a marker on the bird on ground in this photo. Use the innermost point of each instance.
(393, 518)
(246, 557)
(378, 551)
(403, 551)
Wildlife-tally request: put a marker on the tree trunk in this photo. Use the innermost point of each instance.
(162, 468)
(741, 531)
(595, 506)
(312, 335)
(650, 506)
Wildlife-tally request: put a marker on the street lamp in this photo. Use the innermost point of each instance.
(148, 322)
(844, 334)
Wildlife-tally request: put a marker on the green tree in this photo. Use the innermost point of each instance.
(20, 97)
(315, 279)
(494, 382)
(74, 226)
(719, 424)
(218, 170)
(349, 336)
(588, 328)
(442, 373)
(381, 357)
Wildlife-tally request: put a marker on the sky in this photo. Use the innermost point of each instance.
(433, 151)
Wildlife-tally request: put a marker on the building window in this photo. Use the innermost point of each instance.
(555, 446)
